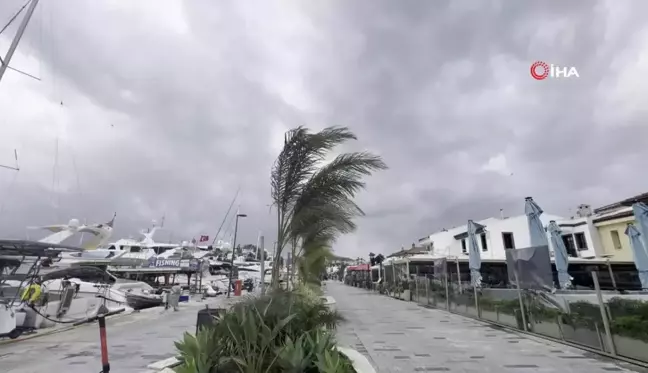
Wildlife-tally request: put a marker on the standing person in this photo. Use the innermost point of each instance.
(174, 296)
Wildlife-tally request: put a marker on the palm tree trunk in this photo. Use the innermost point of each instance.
(293, 260)
(274, 282)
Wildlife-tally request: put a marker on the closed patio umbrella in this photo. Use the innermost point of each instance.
(639, 254)
(536, 229)
(474, 256)
(640, 211)
(560, 255)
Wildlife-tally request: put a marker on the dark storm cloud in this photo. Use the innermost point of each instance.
(454, 60)
(435, 87)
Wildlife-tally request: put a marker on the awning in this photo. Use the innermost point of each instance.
(360, 267)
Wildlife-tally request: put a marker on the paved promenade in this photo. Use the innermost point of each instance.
(134, 341)
(400, 336)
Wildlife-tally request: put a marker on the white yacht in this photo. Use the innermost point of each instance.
(126, 249)
(71, 290)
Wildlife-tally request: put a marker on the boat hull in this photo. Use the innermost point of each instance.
(142, 301)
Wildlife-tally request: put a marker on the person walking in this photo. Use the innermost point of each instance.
(174, 296)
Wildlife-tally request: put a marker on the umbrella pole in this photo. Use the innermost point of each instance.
(609, 267)
(477, 302)
(604, 316)
(459, 276)
(519, 291)
(447, 291)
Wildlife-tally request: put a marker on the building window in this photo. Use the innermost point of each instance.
(463, 246)
(483, 242)
(568, 240)
(581, 242)
(509, 241)
(616, 240)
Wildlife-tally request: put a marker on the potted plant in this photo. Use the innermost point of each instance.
(281, 332)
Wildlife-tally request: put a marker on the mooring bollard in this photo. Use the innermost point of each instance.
(105, 365)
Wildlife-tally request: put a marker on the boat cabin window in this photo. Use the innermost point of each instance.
(464, 249)
(135, 249)
(160, 249)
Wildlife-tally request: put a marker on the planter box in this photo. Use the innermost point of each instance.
(630, 347)
(547, 328)
(360, 363)
(489, 315)
(582, 335)
(471, 311)
(509, 320)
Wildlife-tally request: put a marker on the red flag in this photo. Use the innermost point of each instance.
(204, 238)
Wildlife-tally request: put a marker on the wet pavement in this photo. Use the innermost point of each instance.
(134, 341)
(399, 336)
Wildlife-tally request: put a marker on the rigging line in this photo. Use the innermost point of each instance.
(13, 18)
(76, 174)
(230, 226)
(41, 16)
(22, 72)
(7, 192)
(55, 176)
(226, 214)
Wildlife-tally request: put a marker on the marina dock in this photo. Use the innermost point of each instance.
(134, 341)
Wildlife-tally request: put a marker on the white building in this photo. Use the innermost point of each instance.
(498, 235)
(581, 237)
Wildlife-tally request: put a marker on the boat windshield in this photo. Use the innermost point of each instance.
(15, 270)
(8, 267)
(94, 254)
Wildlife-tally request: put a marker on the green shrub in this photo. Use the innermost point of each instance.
(281, 332)
(628, 318)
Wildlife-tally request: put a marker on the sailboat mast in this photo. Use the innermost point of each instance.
(14, 44)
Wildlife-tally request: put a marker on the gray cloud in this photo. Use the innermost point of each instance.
(168, 108)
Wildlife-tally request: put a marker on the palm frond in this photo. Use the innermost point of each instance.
(297, 162)
(315, 204)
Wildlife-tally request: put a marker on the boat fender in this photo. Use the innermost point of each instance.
(31, 294)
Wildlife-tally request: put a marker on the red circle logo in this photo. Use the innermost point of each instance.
(539, 70)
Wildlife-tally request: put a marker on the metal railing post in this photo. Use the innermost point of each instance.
(447, 291)
(604, 316)
(519, 293)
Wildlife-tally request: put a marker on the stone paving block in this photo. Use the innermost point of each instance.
(134, 341)
(398, 337)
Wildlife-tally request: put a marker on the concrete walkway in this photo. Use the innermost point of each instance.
(400, 336)
(134, 341)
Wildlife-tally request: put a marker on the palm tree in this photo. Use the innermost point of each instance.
(314, 203)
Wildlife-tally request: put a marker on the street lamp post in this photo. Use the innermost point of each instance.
(229, 288)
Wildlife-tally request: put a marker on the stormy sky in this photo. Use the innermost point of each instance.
(156, 108)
